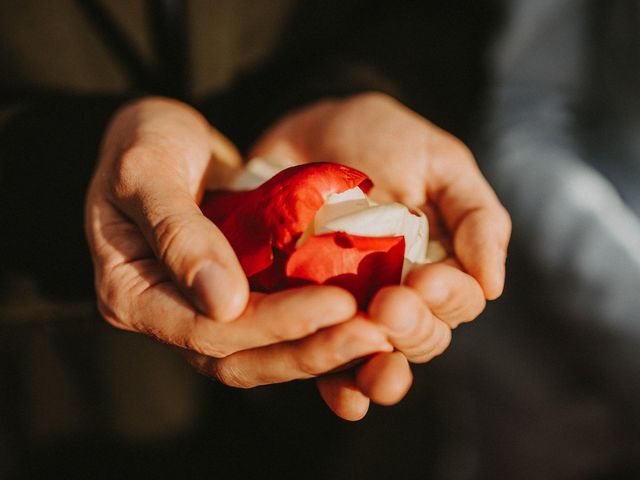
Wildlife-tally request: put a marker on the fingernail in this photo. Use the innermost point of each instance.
(213, 292)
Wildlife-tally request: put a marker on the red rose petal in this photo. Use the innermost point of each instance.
(219, 204)
(272, 278)
(263, 225)
(277, 213)
(292, 198)
(361, 265)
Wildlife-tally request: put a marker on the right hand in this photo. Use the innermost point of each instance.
(414, 162)
(156, 257)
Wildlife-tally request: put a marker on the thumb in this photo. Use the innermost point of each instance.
(192, 249)
(200, 260)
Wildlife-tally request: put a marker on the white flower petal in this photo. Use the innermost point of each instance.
(436, 252)
(389, 220)
(416, 237)
(352, 212)
(339, 205)
(257, 171)
(377, 221)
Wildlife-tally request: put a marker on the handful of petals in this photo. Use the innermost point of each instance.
(314, 223)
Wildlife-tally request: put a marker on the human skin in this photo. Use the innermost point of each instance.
(411, 161)
(163, 269)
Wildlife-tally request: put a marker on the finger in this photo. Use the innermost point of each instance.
(480, 225)
(385, 379)
(181, 140)
(192, 249)
(449, 293)
(290, 137)
(155, 157)
(309, 357)
(279, 317)
(480, 242)
(411, 327)
(139, 296)
(343, 396)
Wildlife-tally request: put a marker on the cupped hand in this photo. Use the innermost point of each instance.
(163, 269)
(414, 162)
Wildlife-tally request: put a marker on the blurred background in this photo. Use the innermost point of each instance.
(544, 385)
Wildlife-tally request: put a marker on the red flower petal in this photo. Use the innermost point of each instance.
(272, 278)
(361, 265)
(291, 199)
(219, 204)
(277, 213)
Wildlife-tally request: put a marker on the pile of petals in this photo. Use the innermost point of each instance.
(314, 224)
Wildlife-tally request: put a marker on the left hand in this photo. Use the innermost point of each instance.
(414, 162)
(148, 240)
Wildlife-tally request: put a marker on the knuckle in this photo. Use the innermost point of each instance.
(230, 375)
(314, 363)
(421, 357)
(111, 304)
(126, 171)
(109, 315)
(309, 366)
(198, 341)
(433, 348)
(169, 236)
(477, 310)
(341, 344)
(307, 327)
(469, 309)
(462, 313)
(444, 342)
(460, 152)
(421, 354)
(421, 339)
(459, 304)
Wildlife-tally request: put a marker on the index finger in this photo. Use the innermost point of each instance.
(480, 225)
(139, 296)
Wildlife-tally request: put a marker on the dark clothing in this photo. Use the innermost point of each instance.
(84, 400)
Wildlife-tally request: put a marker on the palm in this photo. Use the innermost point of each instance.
(416, 163)
(393, 145)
